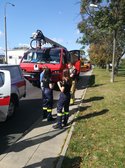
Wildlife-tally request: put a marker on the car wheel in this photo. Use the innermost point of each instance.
(12, 107)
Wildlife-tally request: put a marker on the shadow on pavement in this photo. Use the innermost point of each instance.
(23, 144)
(27, 114)
(51, 163)
(29, 111)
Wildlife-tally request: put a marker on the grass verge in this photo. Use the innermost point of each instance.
(98, 140)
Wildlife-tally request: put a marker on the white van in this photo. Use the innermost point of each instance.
(12, 89)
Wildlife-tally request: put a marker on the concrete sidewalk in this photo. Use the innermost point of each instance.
(42, 146)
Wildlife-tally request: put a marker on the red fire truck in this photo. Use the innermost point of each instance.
(55, 57)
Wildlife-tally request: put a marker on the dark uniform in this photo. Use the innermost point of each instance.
(47, 98)
(63, 102)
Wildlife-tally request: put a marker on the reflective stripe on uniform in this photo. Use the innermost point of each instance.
(44, 108)
(59, 114)
(49, 110)
(66, 113)
(71, 101)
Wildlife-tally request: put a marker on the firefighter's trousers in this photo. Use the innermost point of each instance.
(47, 101)
(72, 92)
(63, 102)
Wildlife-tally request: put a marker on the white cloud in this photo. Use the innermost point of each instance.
(58, 40)
(23, 45)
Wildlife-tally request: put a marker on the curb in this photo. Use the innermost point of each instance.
(67, 141)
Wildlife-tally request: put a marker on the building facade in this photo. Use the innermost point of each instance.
(14, 56)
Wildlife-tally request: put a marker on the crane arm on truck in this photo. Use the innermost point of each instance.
(55, 57)
(40, 40)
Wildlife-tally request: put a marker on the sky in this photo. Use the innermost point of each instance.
(57, 19)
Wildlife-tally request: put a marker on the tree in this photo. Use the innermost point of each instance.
(102, 24)
(98, 55)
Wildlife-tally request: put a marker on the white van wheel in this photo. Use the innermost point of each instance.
(11, 107)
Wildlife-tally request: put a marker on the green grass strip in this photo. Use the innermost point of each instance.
(98, 140)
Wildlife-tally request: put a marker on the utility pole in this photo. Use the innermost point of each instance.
(5, 29)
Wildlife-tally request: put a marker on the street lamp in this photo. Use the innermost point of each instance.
(5, 28)
(93, 5)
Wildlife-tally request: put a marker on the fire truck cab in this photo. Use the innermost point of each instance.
(55, 57)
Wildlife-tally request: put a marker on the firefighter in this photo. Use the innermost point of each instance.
(64, 100)
(41, 76)
(42, 89)
(73, 75)
(47, 94)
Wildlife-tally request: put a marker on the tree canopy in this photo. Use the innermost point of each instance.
(99, 24)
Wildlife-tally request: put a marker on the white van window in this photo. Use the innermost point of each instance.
(1, 79)
(15, 73)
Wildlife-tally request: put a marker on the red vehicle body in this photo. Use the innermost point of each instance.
(55, 58)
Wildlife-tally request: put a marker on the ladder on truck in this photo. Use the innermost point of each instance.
(39, 39)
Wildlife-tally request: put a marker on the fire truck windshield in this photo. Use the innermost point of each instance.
(50, 55)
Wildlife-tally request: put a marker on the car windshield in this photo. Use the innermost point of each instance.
(44, 56)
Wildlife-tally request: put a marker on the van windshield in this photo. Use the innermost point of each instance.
(50, 55)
